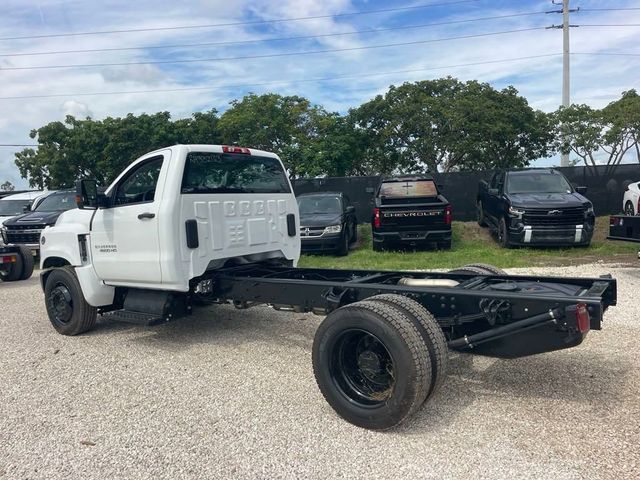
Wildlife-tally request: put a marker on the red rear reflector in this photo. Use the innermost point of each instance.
(582, 318)
(376, 218)
(9, 259)
(448, 215)
(232, 149)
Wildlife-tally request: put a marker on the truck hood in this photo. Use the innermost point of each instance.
(34, 218)
(320, 219)
(547, 200)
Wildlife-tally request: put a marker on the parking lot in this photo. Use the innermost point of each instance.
(230, 393)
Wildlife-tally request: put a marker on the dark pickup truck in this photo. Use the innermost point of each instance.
(625, 228)
(410, 211)
(535, 207)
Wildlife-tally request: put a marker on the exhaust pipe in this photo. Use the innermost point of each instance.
(428, 282)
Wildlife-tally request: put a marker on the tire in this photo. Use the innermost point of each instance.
(27, 263)
(444, 245)
(480, 214)
(628, 208)
(489, 268)
(68, 311)
(354, 237)
(371, 364)
(470, 269)
(503, 234)
(343, 249)
(430, 331)
(377, 247)
(13, 271)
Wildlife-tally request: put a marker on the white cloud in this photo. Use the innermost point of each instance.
(75, 108)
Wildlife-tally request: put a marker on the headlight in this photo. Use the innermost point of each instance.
(589, 210)
(333, 229)
(516, 212)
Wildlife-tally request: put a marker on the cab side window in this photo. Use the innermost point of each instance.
(139, 186)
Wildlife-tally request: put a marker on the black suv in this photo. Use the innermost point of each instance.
(410, 211)
(535, 207)
(25, 229)
(327, 222)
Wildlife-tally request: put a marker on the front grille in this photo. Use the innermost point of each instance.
(24, 234)
(311, 231)
(554, 216)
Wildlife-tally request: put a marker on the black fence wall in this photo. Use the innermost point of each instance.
(605, 190)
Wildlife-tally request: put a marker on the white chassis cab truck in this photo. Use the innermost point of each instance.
(196, 225)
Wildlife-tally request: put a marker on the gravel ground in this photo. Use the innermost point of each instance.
(230, 393)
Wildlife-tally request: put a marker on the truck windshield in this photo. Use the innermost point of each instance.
(58, 202)
(538, 183)
(209, 172)
(319, 204)
(12, 207)
(412, 188)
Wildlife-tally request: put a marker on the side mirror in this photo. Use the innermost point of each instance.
(493, 192)
(87, 194)
(351, 209)
(581, 190)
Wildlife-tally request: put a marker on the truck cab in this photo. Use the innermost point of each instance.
(172, 215)
(535, 207)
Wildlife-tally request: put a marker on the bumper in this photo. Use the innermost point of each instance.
(412, 238)
(325, 243)
(556, 236)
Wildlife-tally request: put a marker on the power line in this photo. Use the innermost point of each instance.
(608, 9)
(276, 82)
(18, 145)
(252, 22)
(244, 42)
(270, 55)
(606, 25)
(607, 54)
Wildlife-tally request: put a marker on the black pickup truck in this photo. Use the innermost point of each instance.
(535, 207)
(410, 211)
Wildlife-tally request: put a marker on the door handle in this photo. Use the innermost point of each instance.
(144, 215)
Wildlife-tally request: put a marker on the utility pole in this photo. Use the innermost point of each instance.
(566, 79)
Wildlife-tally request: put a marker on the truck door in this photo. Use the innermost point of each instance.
(125, 242)
(494, 195)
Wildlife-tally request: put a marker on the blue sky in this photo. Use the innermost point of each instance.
(596, 80)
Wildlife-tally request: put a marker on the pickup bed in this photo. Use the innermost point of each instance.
(409, 211)
(536, 207)
(192, 226)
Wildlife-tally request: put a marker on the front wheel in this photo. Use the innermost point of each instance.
(68, 311)
(343, 248)
(371, 364)
(503, 234)
(628, 209)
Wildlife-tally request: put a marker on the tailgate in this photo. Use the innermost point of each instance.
(408, 217)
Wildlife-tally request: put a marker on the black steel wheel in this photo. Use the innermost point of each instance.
(68, 311)
(11, 272)
(480, 215)
(27, 262)
(628, 209)
(371, 364)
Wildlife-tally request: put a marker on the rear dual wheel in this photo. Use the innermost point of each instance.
(375, 361)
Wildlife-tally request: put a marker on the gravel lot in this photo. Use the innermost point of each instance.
(230, 393)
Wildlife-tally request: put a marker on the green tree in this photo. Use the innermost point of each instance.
(447, 125)
(88, 148)
(7, 186)
(310, 140)
(600, 137)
